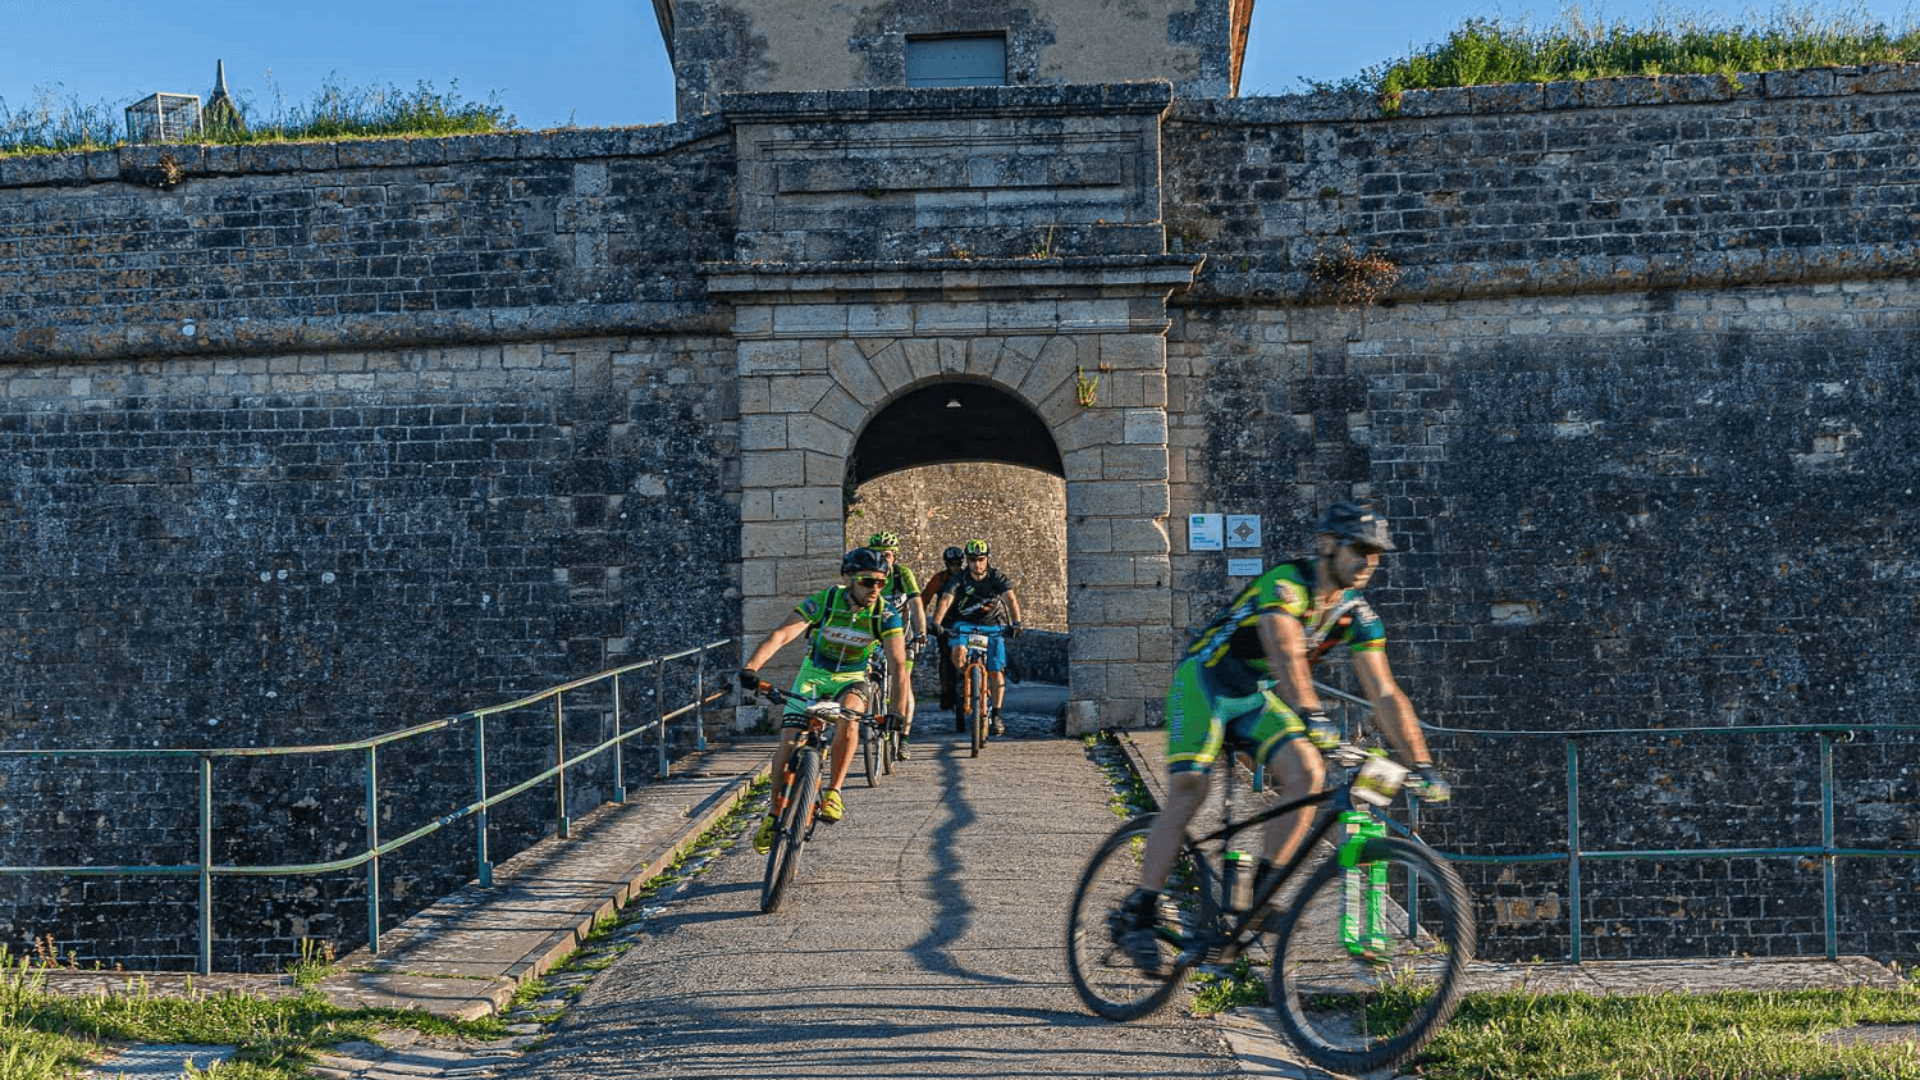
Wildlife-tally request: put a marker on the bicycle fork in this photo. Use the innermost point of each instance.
(1363, 921)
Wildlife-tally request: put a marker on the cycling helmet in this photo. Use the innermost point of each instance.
(863, 561)
(1357, 523)
(978, 547)
(952, 555)
(884, 541)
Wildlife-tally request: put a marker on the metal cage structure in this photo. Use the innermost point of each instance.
(163, 118)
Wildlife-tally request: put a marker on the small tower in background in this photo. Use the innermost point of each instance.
(222, 112)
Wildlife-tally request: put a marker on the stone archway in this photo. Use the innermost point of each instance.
(819, 356)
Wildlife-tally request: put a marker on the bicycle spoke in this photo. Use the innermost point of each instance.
(1105, 973)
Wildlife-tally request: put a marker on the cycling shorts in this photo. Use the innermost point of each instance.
(818, 682)
(996, 643)
(1201, 720)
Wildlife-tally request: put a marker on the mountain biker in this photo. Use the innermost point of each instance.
(930, 596)
(1248, 677)
(847, 622)
(983, 596)
(902, 594)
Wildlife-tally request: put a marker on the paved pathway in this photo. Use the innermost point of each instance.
(923, 937)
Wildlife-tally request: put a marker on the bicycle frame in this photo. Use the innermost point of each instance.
(1238, 924)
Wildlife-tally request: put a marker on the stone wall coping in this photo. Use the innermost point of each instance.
(224, 338)
(890, 103)
(141, 164)
(786, 279)
(1509, 98)
(1586, 274)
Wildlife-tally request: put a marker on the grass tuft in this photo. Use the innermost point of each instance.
(1577, 46)
(52, 123)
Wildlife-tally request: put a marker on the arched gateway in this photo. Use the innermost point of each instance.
(1077, 344)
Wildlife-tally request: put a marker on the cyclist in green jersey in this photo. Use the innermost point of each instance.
(902, 594)
(1248, 677)
(847, 622)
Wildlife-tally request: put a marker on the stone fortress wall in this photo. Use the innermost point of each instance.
(1641, 406)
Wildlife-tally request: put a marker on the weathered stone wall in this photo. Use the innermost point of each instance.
(311, 548)
(1021, 512)
(357, 245)
(748, 46)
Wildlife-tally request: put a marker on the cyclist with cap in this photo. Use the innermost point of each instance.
(1248, 677)
(983, 596)
(847, 622)
(902, 594)
(930, 596)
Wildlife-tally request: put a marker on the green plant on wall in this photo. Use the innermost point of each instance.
(1084, 387)
(1350, 277)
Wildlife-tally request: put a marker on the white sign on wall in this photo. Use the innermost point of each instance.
(1243, 530)
(1244, 568)
(1206, 532)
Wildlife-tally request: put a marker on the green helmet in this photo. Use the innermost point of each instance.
(884, 541)
(978, 547)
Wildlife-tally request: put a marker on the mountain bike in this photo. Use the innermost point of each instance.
(1369, 945)
(806, 767)
(970, 710)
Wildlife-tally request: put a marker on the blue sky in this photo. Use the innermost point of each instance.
(592, 62)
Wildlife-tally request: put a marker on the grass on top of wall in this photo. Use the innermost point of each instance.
(55, 125)
(1576, 46)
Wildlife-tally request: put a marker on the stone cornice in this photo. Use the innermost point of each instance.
(1110, 275)
(859, 106)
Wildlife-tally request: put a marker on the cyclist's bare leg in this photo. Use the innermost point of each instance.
(905, 708)
(781, 755)
(845, 739)
(997, 686)
(1294, 771)
(1185, 792)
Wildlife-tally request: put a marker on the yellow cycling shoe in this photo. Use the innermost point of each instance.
(763, 840)
(831, 808)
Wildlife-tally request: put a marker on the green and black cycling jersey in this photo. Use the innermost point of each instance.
(1230, 647)
(845, 636)
(901, 587)
(978, 601)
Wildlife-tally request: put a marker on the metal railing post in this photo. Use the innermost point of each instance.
(373, 850)
(1826, 837)
(1413, 880)
(660, 710)
(700, 699)
(560, 764)
(1573, 844)
(619, 749)
(484, 872)
(206, 864)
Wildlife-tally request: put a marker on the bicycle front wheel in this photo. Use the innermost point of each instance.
(977, 703)
(1105, 974)
(1369, 963)
(870, 753)
(783, 859)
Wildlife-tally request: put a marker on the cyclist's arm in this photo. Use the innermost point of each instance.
(940, 610)
(897, 669)
(1013, 604)
(1392, 711)
(795, 625)
(916, 617)
(1285, 644)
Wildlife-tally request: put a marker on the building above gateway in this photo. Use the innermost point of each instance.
(732, 46)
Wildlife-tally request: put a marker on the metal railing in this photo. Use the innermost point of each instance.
(376, 848)
(1827, 851)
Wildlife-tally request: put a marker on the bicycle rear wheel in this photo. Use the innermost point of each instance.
(889, 749)
(1104, 973)
(1353, 1000)
(783, 859)
(870, 752)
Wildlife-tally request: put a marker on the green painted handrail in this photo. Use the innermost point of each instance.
(376, 848)
(1828, 851)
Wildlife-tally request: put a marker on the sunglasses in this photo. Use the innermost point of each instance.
(872, 582)
(976, 558)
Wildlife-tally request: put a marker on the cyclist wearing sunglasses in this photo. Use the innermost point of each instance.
(983, 596)
(1248, 677)
(847, 622)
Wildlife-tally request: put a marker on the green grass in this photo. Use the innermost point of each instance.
(1577, 46)
(52, 124)
(47, 1035)
(1729, 1036)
